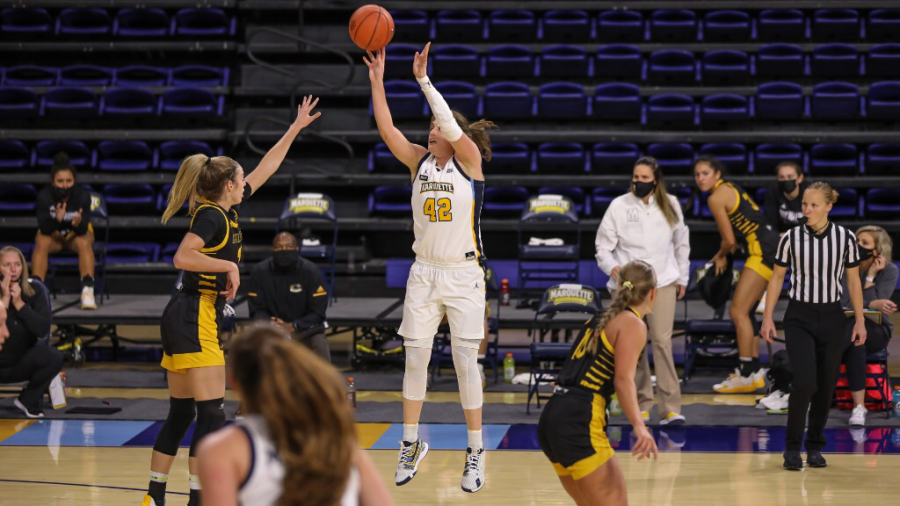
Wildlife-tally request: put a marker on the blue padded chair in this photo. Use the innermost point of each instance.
(405, 99)
(883, 24)
(884, 101)
(673, 157)
(565, 61)
(14, 155)
(780, 60)
(724, 107)
(781, 25)
(512, 26)
(601, 198)
(671, 108)
(581, 202)
(769, 155)
(167, 252)
(726, 26)
(724, 66)
(833, 160)
(561, 158)
(125, 156)
(191, 102)
(83, 22)
(18, 103)
(132, 252)
(509, 61)
(458, 26)
(779, 101)
(382, 160)
(836, 24)
(613, 157)
(882, 159)
(562, 101)
(883, 61)
(399, 59)
(203, 23)
(835, 100)
(390, 200)
(172, 153)
(70, 102)
(672, 66)
(732, 154)
(621, 25)
(138, 76)
(618, 102)
(31, 75)
(620, 61)
(162, 198)
(44, 151)
(303, 208)
(507, 100)
(199, 75)
(505, 200)
(411, 25)
(673, 25)
(510, 158)
(130, 198)
(849, 204)
(461, 96)
(882, 203)
(25, 22)
(565, 25)
(18, 198)
(141, 23)
(85, 75)
(540, 266)
(129, 103)
(835, 60)
(456, 61)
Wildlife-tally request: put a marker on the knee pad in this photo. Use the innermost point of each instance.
(465, 361)
(181, 415)
(415, 378)
(210, 418)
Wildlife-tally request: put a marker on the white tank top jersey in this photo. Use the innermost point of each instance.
(446, 205)
(262, 486)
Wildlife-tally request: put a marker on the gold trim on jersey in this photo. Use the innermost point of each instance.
(227, 231)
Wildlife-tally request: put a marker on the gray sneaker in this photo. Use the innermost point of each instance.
(473, 475)
(410, 456)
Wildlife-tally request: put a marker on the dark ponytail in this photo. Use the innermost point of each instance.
(60, 163)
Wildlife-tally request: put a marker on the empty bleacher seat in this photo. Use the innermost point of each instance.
(675, 158)
(780, 60)
(129, 102)
(458, 26)
(769, 155)
(456, 61)
(30, 75)
(835, 24)
(779, 100)
(724, 107)
(882, 159)
(512, 26)
(884, 101)
(673, 25)
(836, 100)
(203, 23)
(141, 23)
(13, 155)
(732, 154)
(132, 252)
(833, 159)
(17, 198)
(83, 22)
(167, 253)
(561, 101)
(507, 100)
(130, 198)
(199, 75)
(883, 24)
(509, 61)
(564, 61)
(621, 25)
(510, 158)
(561, 158)
(137, 76)
(390, 200)
(882, 203)
(125, 156)
(191, 102)
(621, 61)
(726, 26)
(18, 102)
(848, 204)
(565, 25)
(883, 61)
(85, 75)
(380, 159)
(172, 153)
(44, 151)
(725, 66)
(617, 102)
(835, 60)
(781, 25)
(411, 25)
(613, 157)
(601, 198)
(23, 22)
(399, 60)
(70, 102)
(461, 96)
(574, 193)
(671, 108)
(505, 200)
(672, 65)
(405, 99)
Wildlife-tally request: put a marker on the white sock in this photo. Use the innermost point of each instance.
(475, 439)
(158, 477)
(194, 482)
(411, 432)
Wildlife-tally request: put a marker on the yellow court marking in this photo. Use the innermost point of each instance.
(9, 428)
(368, 433)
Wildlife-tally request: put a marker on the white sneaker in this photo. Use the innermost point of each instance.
(782, 403)
(410, 456)
(87, 298)
(859, 435)
(761, 307)
(772, 401)
(473, 475)
(858, 416)
(736, 384)
(672, 418)
(17, 403)
(148, 501)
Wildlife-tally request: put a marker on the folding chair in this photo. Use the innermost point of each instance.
(541, 265)
(306, 207)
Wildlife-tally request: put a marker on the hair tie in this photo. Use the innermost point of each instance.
(628, 285)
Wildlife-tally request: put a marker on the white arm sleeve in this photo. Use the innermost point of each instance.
(441, 110)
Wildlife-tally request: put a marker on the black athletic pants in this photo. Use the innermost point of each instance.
(877, 339)
(815, 337)
(38, 366)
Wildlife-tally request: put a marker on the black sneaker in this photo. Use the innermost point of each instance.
(792, 461)
(814, 458)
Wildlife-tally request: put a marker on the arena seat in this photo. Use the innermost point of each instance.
(191, 102)
(14, 155)
(44, 151)
(85, 75)
(25, 22)
(18, 102)
(125, 156)
(581, 203)
(172, 153)
(833, 159)
(456, 61)
(405, 99)
(70, 102)
(621, 25)
(883, 24)
(141, 23)
(725, 66)
(509, 61)
(835, 60)
(198, 75)
(399, 61)
(129, 103)
(129, 198)
(458, 26)
(732, 154)
(132, 252)
(781, 25)
(30, 75)
(883, 61)
(601, 198)
(203, 23)
(621, 61)
(780, 60)
(613, 157)
(618, 102)
(675, 158)
(848, 206)
(564, 61)
(769, 155)
(672, 66)
(726, 26)
(779, 101)
(561, 158)
(510, 158)
(882, 203)
(835, 24)
(562, 100)
(17, 198)
(884, 101)
(834, 100)
(505, 200)
(723, 108)
(87, 22)
(137, 76)
(673, 25)
(508, 100)
(390, 200)
(411, 25)
(382, 160)
(671, 108)
(882, 159)
(508, 25)
(565, 26)
(461, 96)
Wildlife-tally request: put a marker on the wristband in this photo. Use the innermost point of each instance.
(870, 279)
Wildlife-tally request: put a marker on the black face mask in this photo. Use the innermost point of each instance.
(285, 258)
(802, 220)
(62, 193)
(865, 253)
(787, 186)
(642, 189)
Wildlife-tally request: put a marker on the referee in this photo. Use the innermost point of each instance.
(818, 252)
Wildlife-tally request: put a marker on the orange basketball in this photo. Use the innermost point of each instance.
(371, 27)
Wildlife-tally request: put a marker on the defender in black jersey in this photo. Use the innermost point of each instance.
(603, 361)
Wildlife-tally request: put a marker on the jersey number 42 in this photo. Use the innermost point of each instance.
(438, 209)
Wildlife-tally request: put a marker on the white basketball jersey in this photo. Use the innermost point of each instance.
(446, 206)
(262, 486)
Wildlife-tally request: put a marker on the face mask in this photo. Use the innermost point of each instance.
(62, 193)
(285, 258)
(642, 189)
(787, 186)
(865, 253)
(802, 220)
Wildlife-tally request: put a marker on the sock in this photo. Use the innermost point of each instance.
(411, 432)
(475, 439)
(195, 490)
(481, 358)
(747, 366)
(755, 364)
(87, 281)
(157, 488)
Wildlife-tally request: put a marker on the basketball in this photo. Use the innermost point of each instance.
(371, 27)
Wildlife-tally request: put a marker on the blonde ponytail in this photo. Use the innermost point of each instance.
(198, 177)
(636, 280)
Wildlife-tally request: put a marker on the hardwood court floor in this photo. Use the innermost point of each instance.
(116, 476)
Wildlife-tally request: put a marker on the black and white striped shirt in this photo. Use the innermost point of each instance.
(817, 262)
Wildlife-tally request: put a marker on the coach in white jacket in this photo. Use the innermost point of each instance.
(647, 224)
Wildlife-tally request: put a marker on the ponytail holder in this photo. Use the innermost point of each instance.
(628, 285)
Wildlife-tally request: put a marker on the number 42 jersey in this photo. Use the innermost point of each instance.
(446, 207)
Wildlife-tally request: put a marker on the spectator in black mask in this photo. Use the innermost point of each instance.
(782, 205)
(64, 222)
(287, 290)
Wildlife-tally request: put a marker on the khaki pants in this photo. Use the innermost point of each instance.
(660, 323)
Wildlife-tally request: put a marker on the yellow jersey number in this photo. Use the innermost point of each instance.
(438, 209)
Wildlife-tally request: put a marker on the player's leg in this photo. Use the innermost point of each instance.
(572, 489)
(179, 419)
(208, 387)
(605, 485)
(44, 246)
(747, 293)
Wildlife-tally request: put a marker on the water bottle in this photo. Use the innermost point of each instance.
(509, 368)
(614, 407)
(895, 413)
(504, 292)
(351, 391)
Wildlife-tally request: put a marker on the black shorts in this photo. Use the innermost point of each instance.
(572, 433)
(190, 331)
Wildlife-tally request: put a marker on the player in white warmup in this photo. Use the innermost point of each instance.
(448, 276)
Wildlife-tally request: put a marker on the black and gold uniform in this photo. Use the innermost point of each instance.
(191, 320)
(572, 428)
(753, 231)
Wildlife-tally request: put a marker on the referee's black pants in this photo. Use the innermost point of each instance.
(816, 338)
